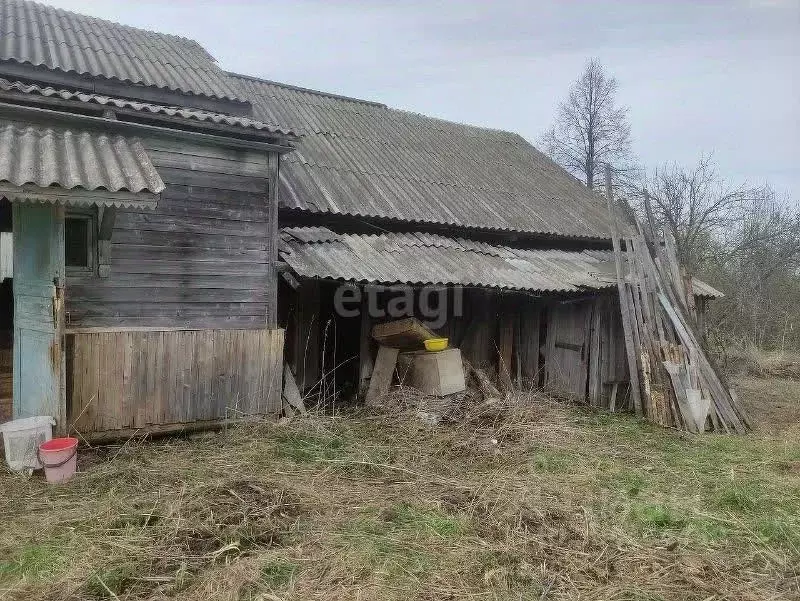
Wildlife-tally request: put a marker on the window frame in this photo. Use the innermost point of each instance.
(91, 241)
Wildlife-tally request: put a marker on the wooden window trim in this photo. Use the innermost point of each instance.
(90, 216)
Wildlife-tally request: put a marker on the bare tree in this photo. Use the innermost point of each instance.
(696, 206)
(590, 129)
(744, 240)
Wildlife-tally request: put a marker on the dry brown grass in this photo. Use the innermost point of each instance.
(543, 501)
(759, 363)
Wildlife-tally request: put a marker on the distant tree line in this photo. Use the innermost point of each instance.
(744, 240)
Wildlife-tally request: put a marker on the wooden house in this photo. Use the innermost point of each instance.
(169, 220)
(143, 209)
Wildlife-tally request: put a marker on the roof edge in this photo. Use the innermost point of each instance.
(308, 90)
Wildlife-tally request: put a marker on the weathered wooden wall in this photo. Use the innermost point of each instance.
(570, 346)
(202, 259)
(566, 354)
(119, 380)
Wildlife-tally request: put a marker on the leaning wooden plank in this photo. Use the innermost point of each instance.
(679, 386)
(291, 393)
(725, 404)
(627, 325)
(699, 407)
(382, 374)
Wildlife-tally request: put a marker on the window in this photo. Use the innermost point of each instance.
(79, 242)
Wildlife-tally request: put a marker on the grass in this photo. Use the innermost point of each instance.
(545, 502)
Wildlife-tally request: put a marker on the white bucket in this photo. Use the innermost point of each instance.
(22, 438)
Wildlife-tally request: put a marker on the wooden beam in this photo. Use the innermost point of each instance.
(106, 218)
(624, 301)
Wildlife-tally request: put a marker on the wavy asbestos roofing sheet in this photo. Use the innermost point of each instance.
(362, 158)
(53, 157)
(418, 258)
(144, 107)
(43, 36)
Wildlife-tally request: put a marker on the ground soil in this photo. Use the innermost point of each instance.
(547, 501)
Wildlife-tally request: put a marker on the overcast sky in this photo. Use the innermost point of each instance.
(699, 77)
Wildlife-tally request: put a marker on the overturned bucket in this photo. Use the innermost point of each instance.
(59, 458)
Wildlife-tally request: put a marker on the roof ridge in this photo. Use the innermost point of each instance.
(290, 86)
(64, 11)
(375, 104)
(459, 123)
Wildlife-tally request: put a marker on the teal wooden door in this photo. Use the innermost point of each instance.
(38, 307)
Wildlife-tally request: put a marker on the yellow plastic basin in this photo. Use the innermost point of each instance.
(435, 344)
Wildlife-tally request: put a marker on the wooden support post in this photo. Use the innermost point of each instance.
(106, 216)
(381, 379)
(505, 346)
(627, 319)
(307, 353)
(365, 361)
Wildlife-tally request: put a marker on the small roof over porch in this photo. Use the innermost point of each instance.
(61, 165)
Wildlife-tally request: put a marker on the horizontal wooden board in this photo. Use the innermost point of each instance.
(88, 309)
(189, 224)
(222, 256)
(218, 181)
(230, 166)
(150, 278)
(187, 269)
(78, 293)
(188, 240)
(242, 322)
(182, 147)
(235, 212)
(202, 195)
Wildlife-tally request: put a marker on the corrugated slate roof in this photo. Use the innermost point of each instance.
(420, 258)
(40, 35)
(703, 289)
(144, 107)
(362, 158)
(49, 156)
(431, 259)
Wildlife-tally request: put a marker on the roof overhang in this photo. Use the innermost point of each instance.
(43, 163)
(78, 197)
(422, 259)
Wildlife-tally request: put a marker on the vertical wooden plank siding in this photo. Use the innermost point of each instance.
(133, 379)
(566, 368)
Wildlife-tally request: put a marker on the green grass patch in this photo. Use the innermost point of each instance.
(35, 562)
(276, 575)
(780, 530)
(652, 519)
(110, 582)
(426, 521)
(633, 483)
(376, 547)
(740, 497)
(307, 448)
(552, 461)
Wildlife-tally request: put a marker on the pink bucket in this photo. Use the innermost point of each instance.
(59, 457)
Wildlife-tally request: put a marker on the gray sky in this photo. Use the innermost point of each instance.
(699, 77)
